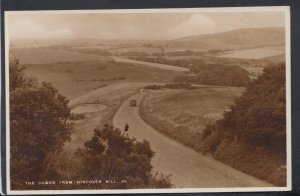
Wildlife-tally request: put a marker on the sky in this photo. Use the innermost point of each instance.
(134, 26)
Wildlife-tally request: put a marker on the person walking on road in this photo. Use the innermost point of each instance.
(126, 129)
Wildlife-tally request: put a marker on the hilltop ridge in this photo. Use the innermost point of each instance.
(234, 39)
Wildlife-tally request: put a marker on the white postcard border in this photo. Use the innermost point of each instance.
(285, 9)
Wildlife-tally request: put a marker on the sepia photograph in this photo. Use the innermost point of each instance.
(148, 100)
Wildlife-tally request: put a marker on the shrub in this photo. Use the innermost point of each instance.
(252, 135)
(111, 155)
(214, 74)
(38, 128)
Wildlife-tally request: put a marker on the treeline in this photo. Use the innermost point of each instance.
(208, 71)
(40, 125)
(38, 128)
(252, 135)
(215, 74)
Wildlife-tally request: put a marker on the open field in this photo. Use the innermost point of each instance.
(43, 55)
(77, 78)
(183, 114)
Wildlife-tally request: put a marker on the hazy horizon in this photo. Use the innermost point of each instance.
(133, 26)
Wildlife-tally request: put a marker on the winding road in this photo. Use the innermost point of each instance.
(188, 168)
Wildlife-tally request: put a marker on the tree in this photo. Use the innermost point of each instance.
(38, 127)
(110, 155)
(252, 135)
(258, 117)
(215, 74)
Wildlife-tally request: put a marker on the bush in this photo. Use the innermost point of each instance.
(252, 135)
(74, 116)
(38, 128)
(111, 155)
(219, 75)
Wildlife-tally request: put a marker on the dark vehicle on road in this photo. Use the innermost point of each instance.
(132, 102)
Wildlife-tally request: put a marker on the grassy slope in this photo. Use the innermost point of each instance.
(76, 78)
(183, 114)
(254, 161)
(239, 38)
(252, 137)
(79, 74)
(44, 55)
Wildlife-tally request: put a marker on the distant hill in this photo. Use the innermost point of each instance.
(235, 39)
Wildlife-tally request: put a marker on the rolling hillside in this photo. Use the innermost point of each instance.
(44, 55)
(235, 39)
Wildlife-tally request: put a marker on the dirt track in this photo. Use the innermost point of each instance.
(189, 168)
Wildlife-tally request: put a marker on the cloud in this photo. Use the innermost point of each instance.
(194, 25)
(25, 28)
(160, 26)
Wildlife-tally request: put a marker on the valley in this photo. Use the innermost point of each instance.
(198, 78)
